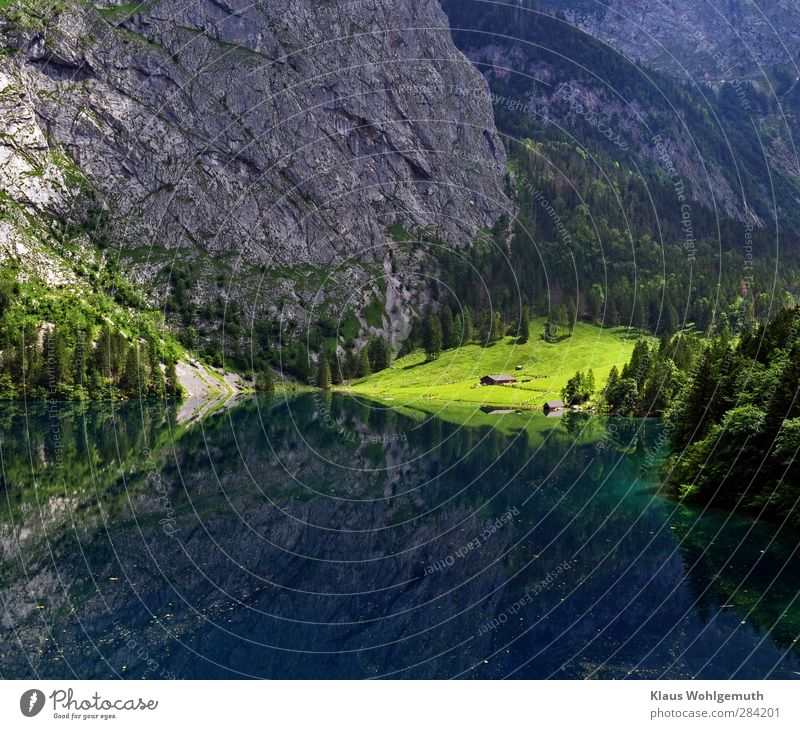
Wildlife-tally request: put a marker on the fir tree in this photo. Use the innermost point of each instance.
(129, 380)
(495, 328)
(446, 318)
(350, 368)
(155, 385)
(613, 378)
(364, 369)
(432, 336)
(595, 300)
(337, 369)
(323, 373)
(458, 331)
(302, 368)
(265, 381)
(172, 385)
(379, 354)
(524, 326)
(572, 315)
(80, 363)
(469, 327)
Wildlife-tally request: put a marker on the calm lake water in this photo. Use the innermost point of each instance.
(328, 537)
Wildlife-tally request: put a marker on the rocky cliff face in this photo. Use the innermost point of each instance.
(261, 142)
(711, 40)
(731, 144)
(35, 184)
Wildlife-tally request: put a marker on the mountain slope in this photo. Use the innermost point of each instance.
(257, 149)
(714, 40)
(550, 78)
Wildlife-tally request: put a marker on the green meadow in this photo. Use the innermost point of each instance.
(545, 368)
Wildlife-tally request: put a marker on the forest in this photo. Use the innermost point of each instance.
(55, 347)
(731, 413)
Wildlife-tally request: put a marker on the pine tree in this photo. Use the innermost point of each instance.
(639, 319)
(323, 373)
(612, 315)
(595, 299)
(155, 385)
(33, 363)
(129, 380)
(101, 364)
(496, 330)
(446, 318)
(337, 369)
(350, 368)
(80, 362)
(524, 326)
(379, 354)
(172, 386)
(572, 315)
(58, 361)
(613, 378)
(302, 369)
(265, 381)
(432, 336)
(458, 331)
(469, 327)
(364, 368)
(689, 416)
(639, 364)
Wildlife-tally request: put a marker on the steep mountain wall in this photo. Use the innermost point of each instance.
(732, 145)
(715, 40)
(259, 142)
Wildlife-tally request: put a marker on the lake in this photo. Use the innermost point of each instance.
(331, 537)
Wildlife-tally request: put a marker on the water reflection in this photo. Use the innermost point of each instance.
(331, 537)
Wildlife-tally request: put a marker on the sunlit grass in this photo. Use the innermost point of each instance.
(546, 367)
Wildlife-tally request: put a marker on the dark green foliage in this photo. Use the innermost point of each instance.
(432, 336)
(379, 354)
(363, 367)
(651, 381)
(129, 381)
(265, 382)
(323, 373)
(338, 369)
(172, 385)
(298, 363)
(579, 388)
(66, 353)
(587, 214)
(496, 329)
(733, 413)
(722, 467)
(458, 331)
(351, 365)
(620, 393)
(469, 326)
(595, 300)
(448, 325)
(523, 331)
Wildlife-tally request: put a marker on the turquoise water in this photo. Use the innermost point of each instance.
(329, 537)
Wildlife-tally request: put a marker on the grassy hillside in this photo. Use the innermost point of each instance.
(546, 367)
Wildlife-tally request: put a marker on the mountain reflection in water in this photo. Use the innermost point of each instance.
(329, 537)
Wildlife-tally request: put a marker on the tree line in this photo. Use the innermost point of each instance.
(732, 413)
(77, 357)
